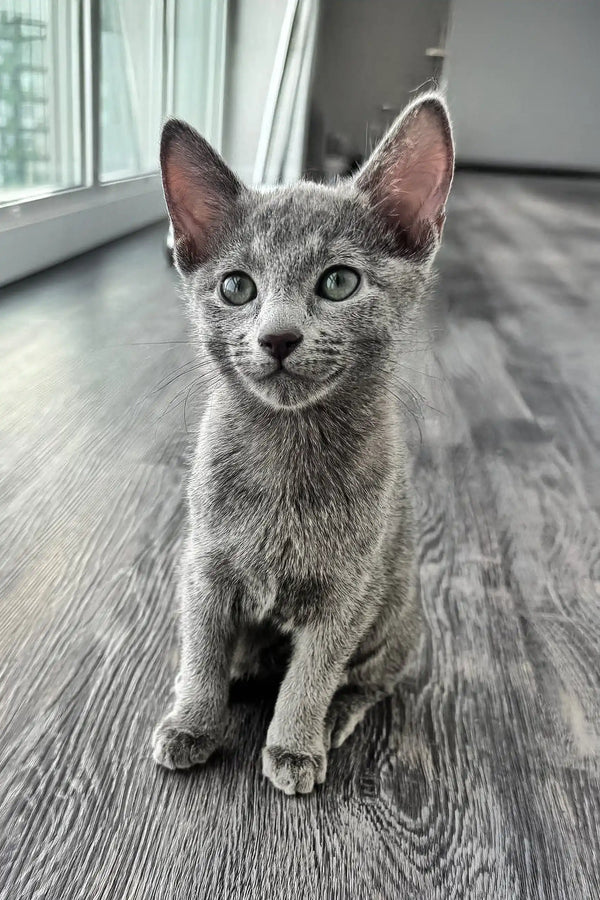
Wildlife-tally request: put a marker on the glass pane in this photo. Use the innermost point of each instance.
(40, 133)
(193, 66)
(130, 87)
(198, 65)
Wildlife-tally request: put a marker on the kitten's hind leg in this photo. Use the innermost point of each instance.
(347, 710)
(375, 669)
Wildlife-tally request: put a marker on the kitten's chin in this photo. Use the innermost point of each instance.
(284, 390)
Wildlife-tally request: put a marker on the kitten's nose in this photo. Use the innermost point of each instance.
(280, 345)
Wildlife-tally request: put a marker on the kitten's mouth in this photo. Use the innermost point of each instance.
(286, 389)
(280, 372)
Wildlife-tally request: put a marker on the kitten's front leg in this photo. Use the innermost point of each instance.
(295, 757)
(194, 727)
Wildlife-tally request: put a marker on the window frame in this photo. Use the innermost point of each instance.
(39, 231)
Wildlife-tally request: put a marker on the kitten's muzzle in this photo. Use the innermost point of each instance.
(279, 345)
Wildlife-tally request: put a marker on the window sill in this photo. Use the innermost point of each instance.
(41, 231)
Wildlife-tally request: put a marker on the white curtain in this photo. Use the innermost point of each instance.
(281, 146)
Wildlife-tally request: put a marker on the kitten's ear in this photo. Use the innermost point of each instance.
(408, 176)
(200, 190)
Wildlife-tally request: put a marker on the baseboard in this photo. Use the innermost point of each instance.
(550, 172)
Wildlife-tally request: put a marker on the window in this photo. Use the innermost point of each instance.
(150, 57)
(40, 149)
(41, 86)
(131, 86)
(199, 32)
(84, 88)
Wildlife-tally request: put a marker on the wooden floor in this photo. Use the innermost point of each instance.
(481, 777)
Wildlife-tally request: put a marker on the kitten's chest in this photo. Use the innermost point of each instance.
(290, 519)
(290, 545)
(289, 511)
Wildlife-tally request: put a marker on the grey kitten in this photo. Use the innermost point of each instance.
(300, 519)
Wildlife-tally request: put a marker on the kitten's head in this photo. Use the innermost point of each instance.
(299, 290)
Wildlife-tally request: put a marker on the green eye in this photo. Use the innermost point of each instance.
(338, 284)
(238, 288)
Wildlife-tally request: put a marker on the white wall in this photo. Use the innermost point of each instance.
(524, 82)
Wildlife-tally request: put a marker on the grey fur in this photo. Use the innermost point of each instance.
(299, 507)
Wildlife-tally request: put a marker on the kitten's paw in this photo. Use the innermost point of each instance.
(177, 746)
(293, 772)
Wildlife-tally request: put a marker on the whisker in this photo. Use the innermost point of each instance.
(147, 343)
(418, 398)
(418, 372)
(408, 409)
(184, 395)
(191, 365)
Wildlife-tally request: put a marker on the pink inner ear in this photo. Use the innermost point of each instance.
(191, 207)
(419, 179)
(200, 190)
